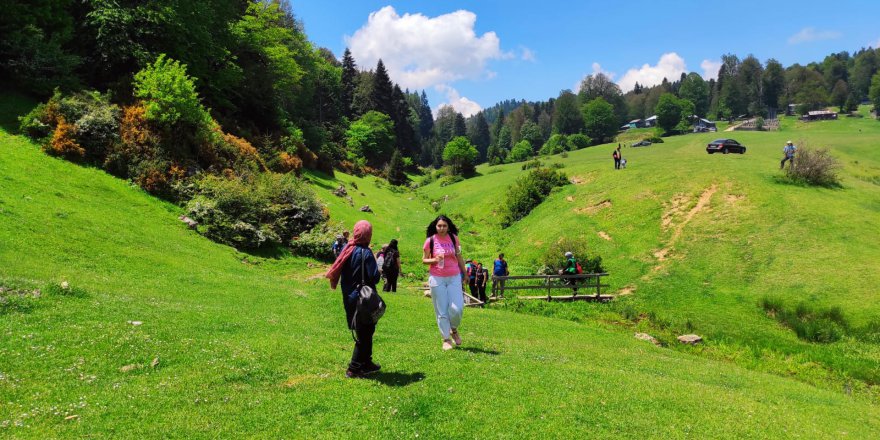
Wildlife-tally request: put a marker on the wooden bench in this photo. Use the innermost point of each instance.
(580, 282)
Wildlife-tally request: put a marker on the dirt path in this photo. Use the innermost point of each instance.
(662, 254)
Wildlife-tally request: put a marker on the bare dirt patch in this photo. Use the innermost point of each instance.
(592, 209)
(733, 198)
(604, 235)
(581, 180)
(628, 290)
(677, 207)
(570, 198)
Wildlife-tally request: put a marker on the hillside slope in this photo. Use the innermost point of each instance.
(245, 345)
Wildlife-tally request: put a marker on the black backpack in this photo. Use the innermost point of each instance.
(390, 263)
(369, 307)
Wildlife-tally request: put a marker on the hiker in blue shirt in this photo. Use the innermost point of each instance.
(789, 151)
(340, 244)
(500, 270)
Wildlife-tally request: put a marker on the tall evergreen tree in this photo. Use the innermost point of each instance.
(459, 127)
(382, 96)
(349, 83)
(426, 118)
(479, 135)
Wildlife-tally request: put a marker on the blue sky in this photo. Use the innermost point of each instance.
(474, 54)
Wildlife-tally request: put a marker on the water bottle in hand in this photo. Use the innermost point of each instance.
(440, 258)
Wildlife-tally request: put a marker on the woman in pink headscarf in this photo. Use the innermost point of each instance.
(346, 271)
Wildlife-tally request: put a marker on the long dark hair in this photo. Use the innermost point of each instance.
(432, 228)
(392, 244)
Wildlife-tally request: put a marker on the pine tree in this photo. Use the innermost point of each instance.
(480, 136)
(426, 118)
(382, 95)
(396, 176)
(349, 83)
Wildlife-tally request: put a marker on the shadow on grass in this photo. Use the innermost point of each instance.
(477, 350)
(396, 379)
(269, 252)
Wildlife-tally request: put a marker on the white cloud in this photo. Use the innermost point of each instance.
(461, 104)
(710, 69)
(421, 52)
(811, 34)
(670, 66)
(527, 54)
(876, 45)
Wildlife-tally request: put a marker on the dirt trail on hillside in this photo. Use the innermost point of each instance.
(676, 208)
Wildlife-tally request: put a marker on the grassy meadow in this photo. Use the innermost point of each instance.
(164, 333)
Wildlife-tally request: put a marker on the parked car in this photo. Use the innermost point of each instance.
(641, 143)
(725, 146)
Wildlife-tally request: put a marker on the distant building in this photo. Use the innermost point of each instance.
(635, 123)
(651, 122)
(703, 125)
(819, 115)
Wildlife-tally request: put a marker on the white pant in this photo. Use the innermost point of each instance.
(448, 301)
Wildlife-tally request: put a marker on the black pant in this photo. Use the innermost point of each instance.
(787, 158)
(390, 281)
(616, 163)
(472, 284)
(363, 347)
(481, 291)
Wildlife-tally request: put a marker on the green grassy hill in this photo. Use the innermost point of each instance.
(232, 344)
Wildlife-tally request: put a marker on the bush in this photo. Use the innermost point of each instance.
(579, 141)
(252, 211)
(553, 258)
(36, 123)
(317, 243)
(814, 167)
(520, 152)
(808, 323)
(655, 140)
(64, 143)
(528, 192)
(169, 94)
(449, 180)
(555, 145)
(532, 164)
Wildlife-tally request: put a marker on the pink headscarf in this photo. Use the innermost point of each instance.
(362, 234)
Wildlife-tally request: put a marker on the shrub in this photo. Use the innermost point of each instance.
(449, 180)
(555, 145)
(808, 323)
(63, 142)
(814, 167)
(317, 243)
(528, 192)
(532, 164)
(553, 258)
(579, 141)
(169, 94)
(460, 155)
(655, 140)
(254, 210)
(36, 124)
(520, 152)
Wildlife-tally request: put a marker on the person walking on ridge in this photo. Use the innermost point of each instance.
(442, 252)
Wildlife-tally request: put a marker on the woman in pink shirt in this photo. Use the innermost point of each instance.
(442, 252)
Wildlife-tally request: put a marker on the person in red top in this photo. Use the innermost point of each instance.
(442, 252)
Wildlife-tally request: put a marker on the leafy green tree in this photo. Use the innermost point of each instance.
(668, 112)
(600, 86)
(694, 89)
(599, 119)
(395, 173)
(555, 145)
(567, 117)
(687, 111)
(865, 65)
(774, 81)
(371, 137)
(874, 94)
(169, 94)
(531, 133)
(839, 94)
(460, 155)
(520, 152)
(579, 141)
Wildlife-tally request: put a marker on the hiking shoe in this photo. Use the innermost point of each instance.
(456, 337)
(352, 373)
(370, 368)
(447, 345)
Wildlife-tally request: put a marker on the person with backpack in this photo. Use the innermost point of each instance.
(338, 244)
(572, 267)
(471, 270)
(616, 156)
(354, 267)
(442, 252)
(481, 279)
(499, 270)
(391, 267)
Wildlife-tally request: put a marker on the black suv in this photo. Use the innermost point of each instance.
(725, 146)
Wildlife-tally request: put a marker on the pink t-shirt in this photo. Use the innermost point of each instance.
(450, 263)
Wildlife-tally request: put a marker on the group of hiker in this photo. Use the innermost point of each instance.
(387, 260)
